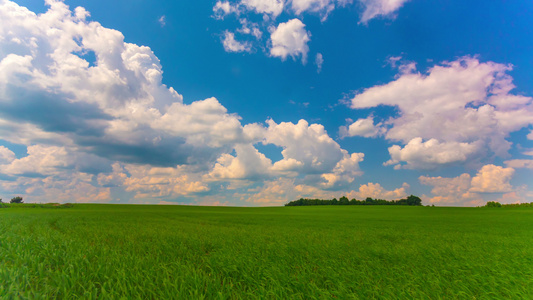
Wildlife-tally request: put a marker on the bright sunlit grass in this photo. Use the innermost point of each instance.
(158, 252)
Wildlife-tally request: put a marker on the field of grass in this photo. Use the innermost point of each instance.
(342, 252)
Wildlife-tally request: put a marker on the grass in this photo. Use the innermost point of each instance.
(344, 252)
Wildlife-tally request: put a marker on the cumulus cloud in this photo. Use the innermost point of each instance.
(231, 45)
(430, 154)
(6, 155)
(94, 129)
(465, 190)
(376, 8)
(306, 148)
(247, 164)
(290, 39)
(492, 179)
(362, 127)
(456, 112)
(376, 191)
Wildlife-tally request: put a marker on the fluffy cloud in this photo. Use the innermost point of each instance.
(231, 45)
(492, 179)
(362, 127)
(104, 124)
(376, 191)
(466, 190)
(306, 148)
(6, 155)
(247, 164)
(290, 39)
(430, 154)
(375, 8)
(115, 107)
(452, 114)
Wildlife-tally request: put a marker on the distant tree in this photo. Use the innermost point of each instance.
(1, 200)
(493, 204)
(414, 200)
(344, 200)
(17, 199)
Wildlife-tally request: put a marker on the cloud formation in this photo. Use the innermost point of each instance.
(456, 112)
(96, 118)
(290, 39)
(465, 190)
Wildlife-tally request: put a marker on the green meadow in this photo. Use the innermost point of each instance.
(316, 252)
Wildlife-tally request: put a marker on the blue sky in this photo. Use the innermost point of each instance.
(260, 102)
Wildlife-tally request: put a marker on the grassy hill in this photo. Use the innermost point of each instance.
(343, 252)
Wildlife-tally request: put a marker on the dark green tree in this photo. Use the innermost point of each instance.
(493, 204)
(414, 200)
(17, 199)
(344, 200)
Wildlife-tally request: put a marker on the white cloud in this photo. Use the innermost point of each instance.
(492, 179)
(271, 7)
(344, 173)
(250, 28)
(520, 163)
(530, 135)
(154, 182)
(451, 191)
(430, 154)
(112, 127)
(319, 60)
(290, 39)
(6, 155)
(465, 190)
(375, 8)
(224, 8)
(376, 191)
(454, 113)
(306, 148)
(247, 164)
(231, 45)
(162, 21)
(363, 127)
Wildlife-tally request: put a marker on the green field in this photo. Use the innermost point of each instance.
(342, 252)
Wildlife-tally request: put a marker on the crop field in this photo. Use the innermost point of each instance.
(316, 252)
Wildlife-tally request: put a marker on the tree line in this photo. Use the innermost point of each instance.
(411, 200)
(17, 199)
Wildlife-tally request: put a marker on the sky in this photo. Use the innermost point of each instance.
(261, 102)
